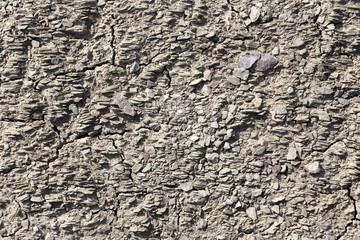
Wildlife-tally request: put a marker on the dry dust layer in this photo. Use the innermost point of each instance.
(271, 155)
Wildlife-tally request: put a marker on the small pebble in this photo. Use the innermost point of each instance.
(323, 115)
(233, 80)
(313, 168)
(331, 26)
(275, 51)
(241, 73)
(192, 96)
(233, 65)
(254, 14)
(298, 42)
(292, 154)
(260, 151)
(134, 67)
(266, 62)
(35, 44)
(186, 187)
(124, 104)
(207, 75)
(67, 23)
(257, 102)
(251, 212)
(101, 3)
(249, 60)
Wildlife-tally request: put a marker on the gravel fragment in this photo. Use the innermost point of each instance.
(249, 60)
(275, 51)
(292, 154)
(257, 102)
(134, 67)
(233, 65)
(233, 80)
(35, 44)
(241, 73)
(322, 114)
(207, 75)
(101, 3)
(266, 63)
(251, 212)
(202, 224)
(313, 167)
(298, 42)
(322, 90)
(196, 82)
(67, 23)
(277, 199)
(124, 104)
(186, 187)
(254, 14)
(260, 151)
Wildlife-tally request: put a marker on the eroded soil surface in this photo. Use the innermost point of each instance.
(142, 120)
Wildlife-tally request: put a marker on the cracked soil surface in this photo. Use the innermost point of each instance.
(218, 148)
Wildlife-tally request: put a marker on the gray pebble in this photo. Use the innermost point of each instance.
(257, 102)
(73, 108)
(309, 69)
(251, 212)
(192, 96)
(322, 114)
(260, 151)
(134, 67)
(233, 65)
(241, 73)
(277, 199)
(254, 14)
(207, 75)
(298, 42)
(266, 62)
(249, 60)
(186, 187)
(196, 82)
(322, 90)
(137, 167)
(147, 168)
(35, 44)
(67, 23)
(292, 154)
(25, 224)
(202, 224)
(150, 150)
(233, 80)
(101, 3)
(304, 212)
(256, 192)
(236, 149)
(280, 110)
(37, 199)
(313, 167)
(275, 51)
(244, 87)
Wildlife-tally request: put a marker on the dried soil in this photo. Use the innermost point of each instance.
(195, 149)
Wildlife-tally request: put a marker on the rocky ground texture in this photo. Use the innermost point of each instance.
(142, 119)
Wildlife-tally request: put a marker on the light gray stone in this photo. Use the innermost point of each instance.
(254, 14)
(313, 167)
(35, 44)
(251, 212)
(292, 154)
(233, 80)
(101, 3)
(260, 151)
(241, 73)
